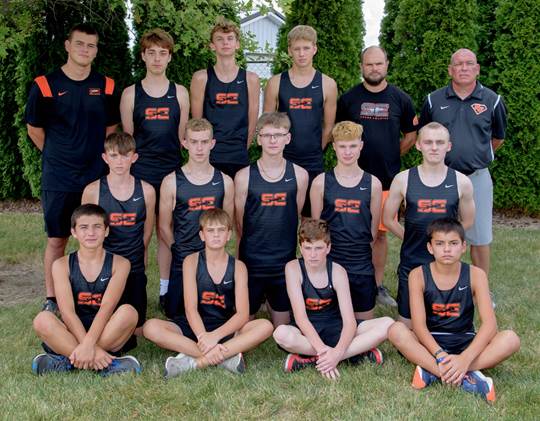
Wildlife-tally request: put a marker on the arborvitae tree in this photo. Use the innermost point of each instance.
(340, 32)
(486, 37)
(42, 51)
(516, 171)
(386, 37)
(189, 23)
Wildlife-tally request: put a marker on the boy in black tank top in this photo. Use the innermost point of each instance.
(129, 203)
(88, 284)
(228, 97)
(155, 111)
(268, 197)
(349, 199)
(215, 329)
(309, 99)
(324, 329)
(444, 345)
(430, 191)
(185, 194)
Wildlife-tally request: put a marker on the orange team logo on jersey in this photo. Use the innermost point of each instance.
(316, 304)
(347, 205)
(156, 113)
(117, 219)
(479, 108)
(227, 98)
(89, 299)
(201, 203)
(431, 205)
(94, 91)
(274, 199)
(300, 103)
(446, 310)
(213, 299)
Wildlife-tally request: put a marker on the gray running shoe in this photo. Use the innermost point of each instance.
(384, 298)
(175, 366)
(234, 364)
(125, 364)
(50, 305)
(48, 363)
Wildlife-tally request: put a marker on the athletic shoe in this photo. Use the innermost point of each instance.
(178, 365)
(374, 355)
(476, 382)
(50, 305)
(384, 298)
(48, 363)
(234, 364)
(295, 362)
(125, 364)
(422, 378)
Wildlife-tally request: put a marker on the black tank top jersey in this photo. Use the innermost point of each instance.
(191, 201)
(126, 223)
(449, 311)
(87, 296)
(226, 106)
(304, 107)
(347, 211)
(216, 301)
(156, 122)
(321, 303)
(423, 205)
(270, 223)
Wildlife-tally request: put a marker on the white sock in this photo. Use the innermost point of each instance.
(163, 286)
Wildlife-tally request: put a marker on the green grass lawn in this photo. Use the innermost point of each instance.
(362, 392)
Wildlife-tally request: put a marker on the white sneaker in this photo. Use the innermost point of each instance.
(234, 364)
(175, 366)
(384, 298)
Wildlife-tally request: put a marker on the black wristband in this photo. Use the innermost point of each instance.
(438, 352)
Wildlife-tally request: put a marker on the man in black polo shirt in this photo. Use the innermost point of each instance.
(68, 114)
(475, 116)
(387, 116)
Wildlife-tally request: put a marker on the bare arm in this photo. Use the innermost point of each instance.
(375, 205)
(316, 195)
(271, 94)
(189, 270)
(228, 197)
(183, 100)
(127, 102)
(466, 201)
(496, 143)
(240, 195)
(150, 205)
(91, 193)
(196, 91)
(330, 106)
(253, 107)
(37, 135)
(407, 142)
(167, 202)
(341, 286)
(391, 206)
(302, 184)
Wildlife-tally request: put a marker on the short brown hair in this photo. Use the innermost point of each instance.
(226, 26)
(121, 142)
(312, 230)
(302, 32)
(85, 28)
(215, 215)
(157, 37)
(347, 130)
(274, 119)
(89, 209)
(200, 125)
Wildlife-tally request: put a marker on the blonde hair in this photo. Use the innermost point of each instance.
(157, 37)
(274, 119)
(302, 32)
(347, 130)
(215, 215)
(200, 125)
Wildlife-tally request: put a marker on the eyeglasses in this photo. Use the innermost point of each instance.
(276, 136)
(464, 63)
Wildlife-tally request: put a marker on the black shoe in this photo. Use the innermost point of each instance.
(50, 305)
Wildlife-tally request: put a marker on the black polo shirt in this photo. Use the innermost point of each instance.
(472, 123)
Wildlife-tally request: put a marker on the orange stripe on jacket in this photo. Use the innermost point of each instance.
(43, 86)
(109, 86)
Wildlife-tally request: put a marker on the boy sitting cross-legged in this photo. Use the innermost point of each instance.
(443, 343)
(324, 329)
(215, 329)
(88, 284)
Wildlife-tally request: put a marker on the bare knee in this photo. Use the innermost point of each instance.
(127, 314)
(398, 333)
(43, 323)
(283, 336)
(511, 339)
(385, 323)
(57, 243)
(151, 329)
(263, 326)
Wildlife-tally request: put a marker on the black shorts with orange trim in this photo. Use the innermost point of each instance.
(57, 209)
(453, 343)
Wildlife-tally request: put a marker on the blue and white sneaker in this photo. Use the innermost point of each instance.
(422, 378)
(49, 363)
(476, 382)
(125, 364)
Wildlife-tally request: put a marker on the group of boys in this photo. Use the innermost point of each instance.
(211, 298)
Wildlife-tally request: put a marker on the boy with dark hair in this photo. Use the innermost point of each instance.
(269, 195)
(68, 114)
(349, 199)
(129, 203)
(324, 329)
(443, 343)
(155, 111)
(215, 329)
(88, 284)
(228, 97)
